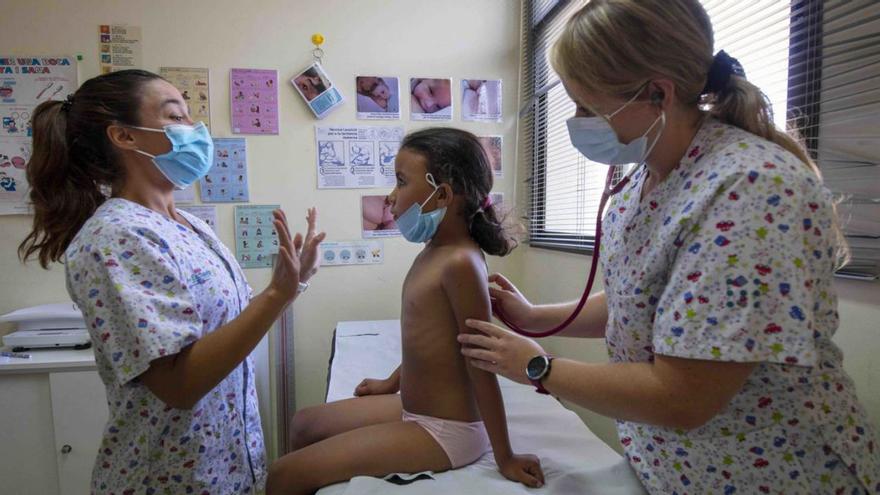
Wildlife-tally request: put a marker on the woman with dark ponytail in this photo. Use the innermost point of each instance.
(169, 311)
(448, 414)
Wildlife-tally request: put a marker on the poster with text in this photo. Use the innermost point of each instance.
(481, 100)
(184, 196)
(227, 181)
(356, 156)
(430, 99)
(378, 98)
(317, 90)
(25, 82)
(207, 213)
(255, 237)
(119, 47)
(193, 84)
(253, 97)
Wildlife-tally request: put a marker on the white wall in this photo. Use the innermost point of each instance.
(453, 38)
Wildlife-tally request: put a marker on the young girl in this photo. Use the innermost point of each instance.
(448, 414)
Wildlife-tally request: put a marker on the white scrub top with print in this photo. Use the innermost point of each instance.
(731, 258)
(148, 287)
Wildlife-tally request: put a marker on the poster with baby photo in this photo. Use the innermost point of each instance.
(430, 99)
(316, 89)
(492, 145)
(378, 98)
(481, 100)
(376, 217)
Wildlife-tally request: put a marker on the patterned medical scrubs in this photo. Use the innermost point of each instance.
(730, 258)
(148, 287)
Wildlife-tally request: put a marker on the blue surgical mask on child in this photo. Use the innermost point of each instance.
(596, 140)
(416, 226)
(191, 155)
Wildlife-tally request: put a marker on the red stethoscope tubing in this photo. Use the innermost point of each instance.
(606, 193)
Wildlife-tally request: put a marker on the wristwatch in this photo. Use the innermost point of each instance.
(302, 287)
(538, 369)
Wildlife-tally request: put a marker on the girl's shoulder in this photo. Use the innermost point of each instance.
(462, 261)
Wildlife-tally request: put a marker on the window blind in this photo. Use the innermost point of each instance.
(845, 134)
(815, 60)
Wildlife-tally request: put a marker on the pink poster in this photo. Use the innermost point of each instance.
(253, 95)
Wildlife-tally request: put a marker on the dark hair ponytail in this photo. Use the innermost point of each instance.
(457, 158)
(73, 161)
(490, 232)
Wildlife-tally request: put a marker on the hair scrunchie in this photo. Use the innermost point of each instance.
(67, 103)
(723, 65)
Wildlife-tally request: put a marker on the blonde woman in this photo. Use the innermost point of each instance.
(718, 255)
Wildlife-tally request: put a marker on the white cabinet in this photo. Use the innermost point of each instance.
(79, 413)
(51, 420)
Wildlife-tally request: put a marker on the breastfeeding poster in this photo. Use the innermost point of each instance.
(481, 100)
(351, 157)
(254, 101)
(193, 84)
(25, 82)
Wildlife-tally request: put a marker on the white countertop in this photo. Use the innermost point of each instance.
(48, 360)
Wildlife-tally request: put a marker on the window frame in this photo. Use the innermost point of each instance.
(805, 54)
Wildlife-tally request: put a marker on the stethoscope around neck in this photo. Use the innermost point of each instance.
(606, 193)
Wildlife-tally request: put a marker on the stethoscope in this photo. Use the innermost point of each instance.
(606, 193)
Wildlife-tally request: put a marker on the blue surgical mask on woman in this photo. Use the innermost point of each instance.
(416, 226)
(191, 155)
(596, 140)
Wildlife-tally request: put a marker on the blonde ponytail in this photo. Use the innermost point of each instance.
(744, 105)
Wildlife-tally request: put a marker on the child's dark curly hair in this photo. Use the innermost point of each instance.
(457, 158)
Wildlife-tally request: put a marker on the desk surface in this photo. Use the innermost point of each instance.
(48, 360)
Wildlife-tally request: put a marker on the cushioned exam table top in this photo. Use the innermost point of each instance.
(574, 459)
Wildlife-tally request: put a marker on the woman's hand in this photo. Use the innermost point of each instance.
(373, 386)
(523, 468)
(498, 350)
(287, 269)
(510, 301)
(307, 250)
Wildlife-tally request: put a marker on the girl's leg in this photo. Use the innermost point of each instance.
(313, 424)
(375, 450)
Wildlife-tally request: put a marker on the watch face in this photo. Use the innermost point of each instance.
(536, 367)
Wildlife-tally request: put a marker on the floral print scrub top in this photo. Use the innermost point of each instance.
(730, 258)
(148, 287)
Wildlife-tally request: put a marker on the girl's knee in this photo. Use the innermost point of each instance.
(306, 428)
(291, 475)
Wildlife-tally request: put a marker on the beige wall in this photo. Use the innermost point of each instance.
(453, 38)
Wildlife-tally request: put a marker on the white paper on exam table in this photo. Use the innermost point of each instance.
(573, 458)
